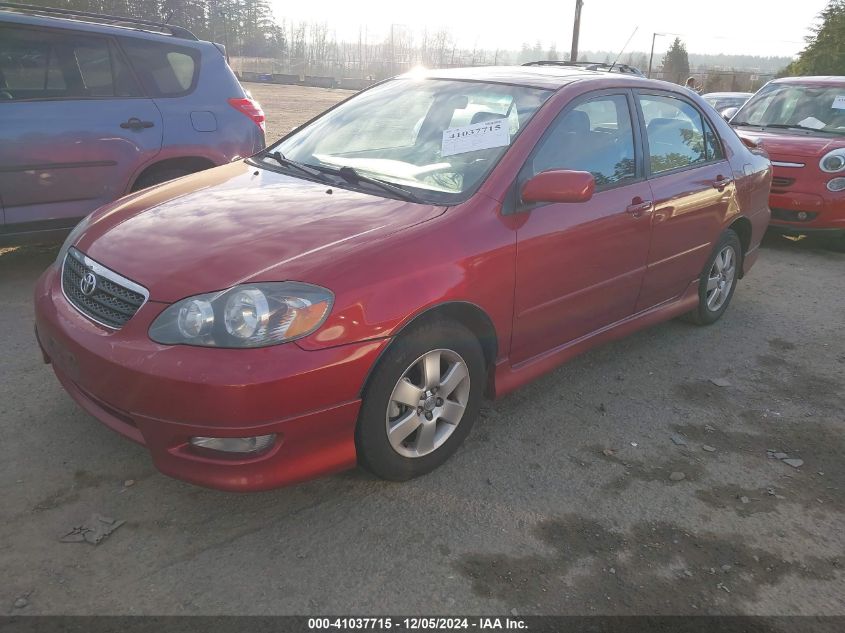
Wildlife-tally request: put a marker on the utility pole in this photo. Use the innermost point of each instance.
(651, 57)
(576, 30)
(392, 53)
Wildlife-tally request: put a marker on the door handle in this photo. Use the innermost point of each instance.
(639, 206)
(136, 124)
(721, 182)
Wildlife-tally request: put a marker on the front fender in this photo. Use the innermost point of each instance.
(401, 276)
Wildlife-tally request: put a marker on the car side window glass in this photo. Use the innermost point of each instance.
(24, 60)
(596, 136)
(183, 68)
(675, 133)
(94, 63)
(713, 145)
(55, 80)
(164, 70)
(42, 65)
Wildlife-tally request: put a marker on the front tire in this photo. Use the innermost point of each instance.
(718, 280)
(421, 401)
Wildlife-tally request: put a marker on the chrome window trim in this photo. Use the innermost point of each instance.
(109, 274)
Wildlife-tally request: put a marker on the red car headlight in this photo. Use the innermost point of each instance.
(249, 315)
(833, 162)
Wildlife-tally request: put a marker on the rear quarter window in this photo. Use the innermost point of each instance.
(165, 70)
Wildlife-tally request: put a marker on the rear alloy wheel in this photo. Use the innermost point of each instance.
(718, 280)
(421, 401)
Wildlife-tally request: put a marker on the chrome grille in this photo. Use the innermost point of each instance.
(114, 299)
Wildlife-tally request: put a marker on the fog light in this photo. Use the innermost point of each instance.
(802, 215)
(235, 444)
(837, 184)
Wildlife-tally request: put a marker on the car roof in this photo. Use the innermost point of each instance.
(78, 22)
(833, 80)
(717, 95)
(547, 77)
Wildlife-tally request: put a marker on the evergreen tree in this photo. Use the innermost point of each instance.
(676, 62)
(825, 50)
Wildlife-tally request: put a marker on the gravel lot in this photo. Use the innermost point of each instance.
(561, 501)
(289, 106)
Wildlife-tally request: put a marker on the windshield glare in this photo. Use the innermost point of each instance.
(818, 108)
(437, 138)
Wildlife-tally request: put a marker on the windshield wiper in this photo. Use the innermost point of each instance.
(784, 126)
(351, 175)
(287, 162)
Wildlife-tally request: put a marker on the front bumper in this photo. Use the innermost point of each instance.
(826, 212)
(160, 396)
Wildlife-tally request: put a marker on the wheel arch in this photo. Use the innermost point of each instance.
(468, 314)
(742, 227)
(192, 164)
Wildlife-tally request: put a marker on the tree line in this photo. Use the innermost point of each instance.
(824, 53)
(248, 26)
(262, 43)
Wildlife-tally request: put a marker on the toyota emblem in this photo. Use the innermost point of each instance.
(88, 284)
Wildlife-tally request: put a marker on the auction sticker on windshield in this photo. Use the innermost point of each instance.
(471, 138)
(839, 103)
(812, 123)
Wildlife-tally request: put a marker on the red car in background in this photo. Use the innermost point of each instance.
(351, 293)
(800, 123)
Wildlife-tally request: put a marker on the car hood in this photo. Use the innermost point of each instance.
(784, 145)
(234, 224)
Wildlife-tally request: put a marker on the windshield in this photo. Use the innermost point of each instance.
(815, 108)
(723, 103)
(437, 139)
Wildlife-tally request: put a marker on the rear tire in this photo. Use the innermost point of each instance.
(158, 176)
(718, 280)
(421, 401)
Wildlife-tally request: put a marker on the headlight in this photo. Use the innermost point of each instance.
(833, 161)
(250, 315)
(70, 240)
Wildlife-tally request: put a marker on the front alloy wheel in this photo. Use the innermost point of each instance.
(427, 403)
(421, 400)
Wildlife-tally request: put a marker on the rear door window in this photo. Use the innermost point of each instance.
(675, 131)
(42, 64)
(164, 70)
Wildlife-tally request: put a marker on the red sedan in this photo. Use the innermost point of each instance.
(800, 122)
(350, 294)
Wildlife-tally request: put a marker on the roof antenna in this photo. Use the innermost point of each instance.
(623, 49)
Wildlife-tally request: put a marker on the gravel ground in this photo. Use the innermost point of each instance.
(591, 491)
(289, 106)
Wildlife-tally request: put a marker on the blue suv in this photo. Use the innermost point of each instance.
(93, 107)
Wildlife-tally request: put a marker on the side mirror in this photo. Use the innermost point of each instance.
(559, 185)
(728, 113)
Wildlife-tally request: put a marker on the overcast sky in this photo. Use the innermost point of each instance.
(757, 27)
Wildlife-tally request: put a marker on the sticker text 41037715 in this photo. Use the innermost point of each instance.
(474, 137)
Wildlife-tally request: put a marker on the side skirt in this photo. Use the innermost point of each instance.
(510, 377)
